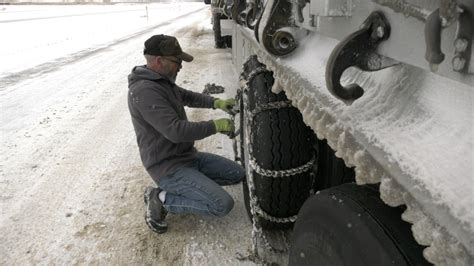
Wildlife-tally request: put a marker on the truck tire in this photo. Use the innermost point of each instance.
(228, 41)
(207, 2)
(280, 140)
(242, 150)
(350, 225)
(219, 40)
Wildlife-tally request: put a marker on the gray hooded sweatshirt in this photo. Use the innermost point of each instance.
(165, 136)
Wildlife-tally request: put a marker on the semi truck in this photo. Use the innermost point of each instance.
(355, 128)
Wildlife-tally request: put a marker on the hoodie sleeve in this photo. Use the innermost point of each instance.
(158, 111)
(194, 99)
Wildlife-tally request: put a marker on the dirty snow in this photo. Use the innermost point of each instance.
(71, 180)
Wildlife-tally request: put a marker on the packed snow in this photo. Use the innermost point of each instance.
(66, 30)
(71, 179)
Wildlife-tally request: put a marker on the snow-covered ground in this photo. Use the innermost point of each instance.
(71, 181)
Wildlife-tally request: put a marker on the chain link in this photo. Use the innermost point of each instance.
(266, 172)
(256, 228)
(270, 106)
(276, 173)
(281, 173)
(274, 219)
(254, 73)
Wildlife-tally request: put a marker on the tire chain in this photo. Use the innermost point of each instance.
(282, 173)
(273, 173)
(255, 210)
(254, 206)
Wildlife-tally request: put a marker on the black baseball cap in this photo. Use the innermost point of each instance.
(164, 45)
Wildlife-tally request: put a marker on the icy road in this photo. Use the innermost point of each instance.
(71, 180)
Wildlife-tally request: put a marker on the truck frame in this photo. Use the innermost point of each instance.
(355, 128)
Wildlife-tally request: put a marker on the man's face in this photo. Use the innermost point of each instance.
(171, 66)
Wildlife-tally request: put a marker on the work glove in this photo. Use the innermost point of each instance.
(224, 125)
(225, 105)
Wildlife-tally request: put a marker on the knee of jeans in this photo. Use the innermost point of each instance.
(224, 206)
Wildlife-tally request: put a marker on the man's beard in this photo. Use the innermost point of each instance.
(171, 75)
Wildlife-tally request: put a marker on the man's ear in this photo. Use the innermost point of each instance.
(159, 61)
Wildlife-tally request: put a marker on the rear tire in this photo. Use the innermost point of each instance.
(350, 225)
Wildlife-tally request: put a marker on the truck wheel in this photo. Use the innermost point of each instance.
(219, 41)
(350, 225)
(279, 140)
(207, 2)
(228, 41)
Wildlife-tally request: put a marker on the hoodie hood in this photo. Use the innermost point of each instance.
(143, 73)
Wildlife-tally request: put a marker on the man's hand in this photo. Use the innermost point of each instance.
(224, 125)
(225, 105)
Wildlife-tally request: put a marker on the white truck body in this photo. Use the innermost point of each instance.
(412, 131)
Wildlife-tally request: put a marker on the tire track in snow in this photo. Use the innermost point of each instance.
(51, 66)
(69, 16)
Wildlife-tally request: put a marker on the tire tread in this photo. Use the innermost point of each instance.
(280, 141)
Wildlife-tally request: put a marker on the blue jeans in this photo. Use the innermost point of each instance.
(197, 188)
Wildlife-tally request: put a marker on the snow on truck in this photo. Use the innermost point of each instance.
(355, 128)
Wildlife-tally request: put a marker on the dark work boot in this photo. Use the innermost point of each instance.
(155, 213)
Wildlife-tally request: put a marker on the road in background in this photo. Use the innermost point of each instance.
(71, 179)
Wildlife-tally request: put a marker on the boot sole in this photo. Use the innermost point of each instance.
(148, 220)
